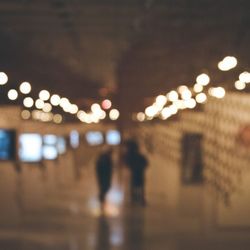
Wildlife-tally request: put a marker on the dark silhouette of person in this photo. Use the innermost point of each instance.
(137, 164)
(103, 234)
(104, 166)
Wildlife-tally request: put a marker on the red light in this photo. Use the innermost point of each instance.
(106, 104)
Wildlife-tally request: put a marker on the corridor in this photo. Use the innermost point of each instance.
(95, 95)
(67, 216)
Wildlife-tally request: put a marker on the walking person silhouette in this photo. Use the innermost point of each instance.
(104, 166)
(137, 164)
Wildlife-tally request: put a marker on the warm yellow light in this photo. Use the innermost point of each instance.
(201, 98)
(95, 107)
(81, 114)
(166, 113)
(179, 104)
(95, 117)
(240, 85)
(245, 77)
(73, 109)
(25, 88)
(87, 119)
(172, 96)
(36, 114)
(151, 111)
(3, 78)
(12, 94)
(39, 104)
(173, 109)
(25, 114)
(102, 114)
(161, 100)
(191, 103)
(55, 100)
(140, 116)
(65, 104)
(44, 95)
(28, 102)
(182, 88)
(114, 114)
(57, 118)
(198, 88)
(186, 94)
(46, 117)
(227, 63)
(203, 79)
(47, 107)
(217, 92)
(67, 107)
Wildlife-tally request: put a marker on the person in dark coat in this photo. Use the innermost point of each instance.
(137, 164)
(104, 167)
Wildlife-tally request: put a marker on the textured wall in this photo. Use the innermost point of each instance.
(225, 157)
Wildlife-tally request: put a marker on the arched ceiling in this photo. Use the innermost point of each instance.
(135, 49)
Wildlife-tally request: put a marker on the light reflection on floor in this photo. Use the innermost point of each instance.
(72, 220)
(112, 207)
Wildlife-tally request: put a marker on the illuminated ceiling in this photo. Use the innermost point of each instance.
(130, 50)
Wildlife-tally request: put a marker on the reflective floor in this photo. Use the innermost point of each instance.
(70, 219)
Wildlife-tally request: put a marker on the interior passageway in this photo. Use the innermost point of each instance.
(48, 208)
(96, 93)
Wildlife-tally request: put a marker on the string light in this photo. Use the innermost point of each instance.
(47, 107)
(3, 78)
(172, 96)
(55, 100)
(217, 92)
(240, 85)
(25, 88)
(229, 62)
(114, 114)
(106, 104)
(198, 88)
(140, 116)
(203, 79)
(44, 95)
(39, 104)
(201, 98)
(12, 94)
(28, 102)
(245, 77)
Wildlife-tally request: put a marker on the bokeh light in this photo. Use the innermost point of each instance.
(140, 116)
(114, 114)
(229, 62)
(12, 94)
(25, 88)
(198, 88)
(172, 96)
(186, 94)
(3, 78)
(240, 85)
(44, 95)
(203, 79)
(201, 98)
(55, 100)
(245, 77)
(47, 107)
(57, 118)
(28, 102)
(161, 100)
(106, 104)
(25, 114)
(217, 92)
